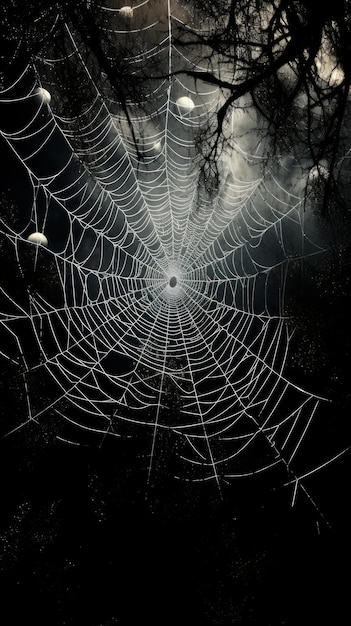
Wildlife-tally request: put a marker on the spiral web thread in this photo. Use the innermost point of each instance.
(167, 291)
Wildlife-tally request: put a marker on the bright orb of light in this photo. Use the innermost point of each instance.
(126, 11)
(318, 171)
(173, 281)
(157, 147)
(38, 238)
(44, 93)
(185, 104)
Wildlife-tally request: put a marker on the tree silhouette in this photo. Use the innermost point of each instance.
(291, 61)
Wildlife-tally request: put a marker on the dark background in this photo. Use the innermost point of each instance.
(84, 540)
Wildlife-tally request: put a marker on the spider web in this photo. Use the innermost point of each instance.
(171, 295)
